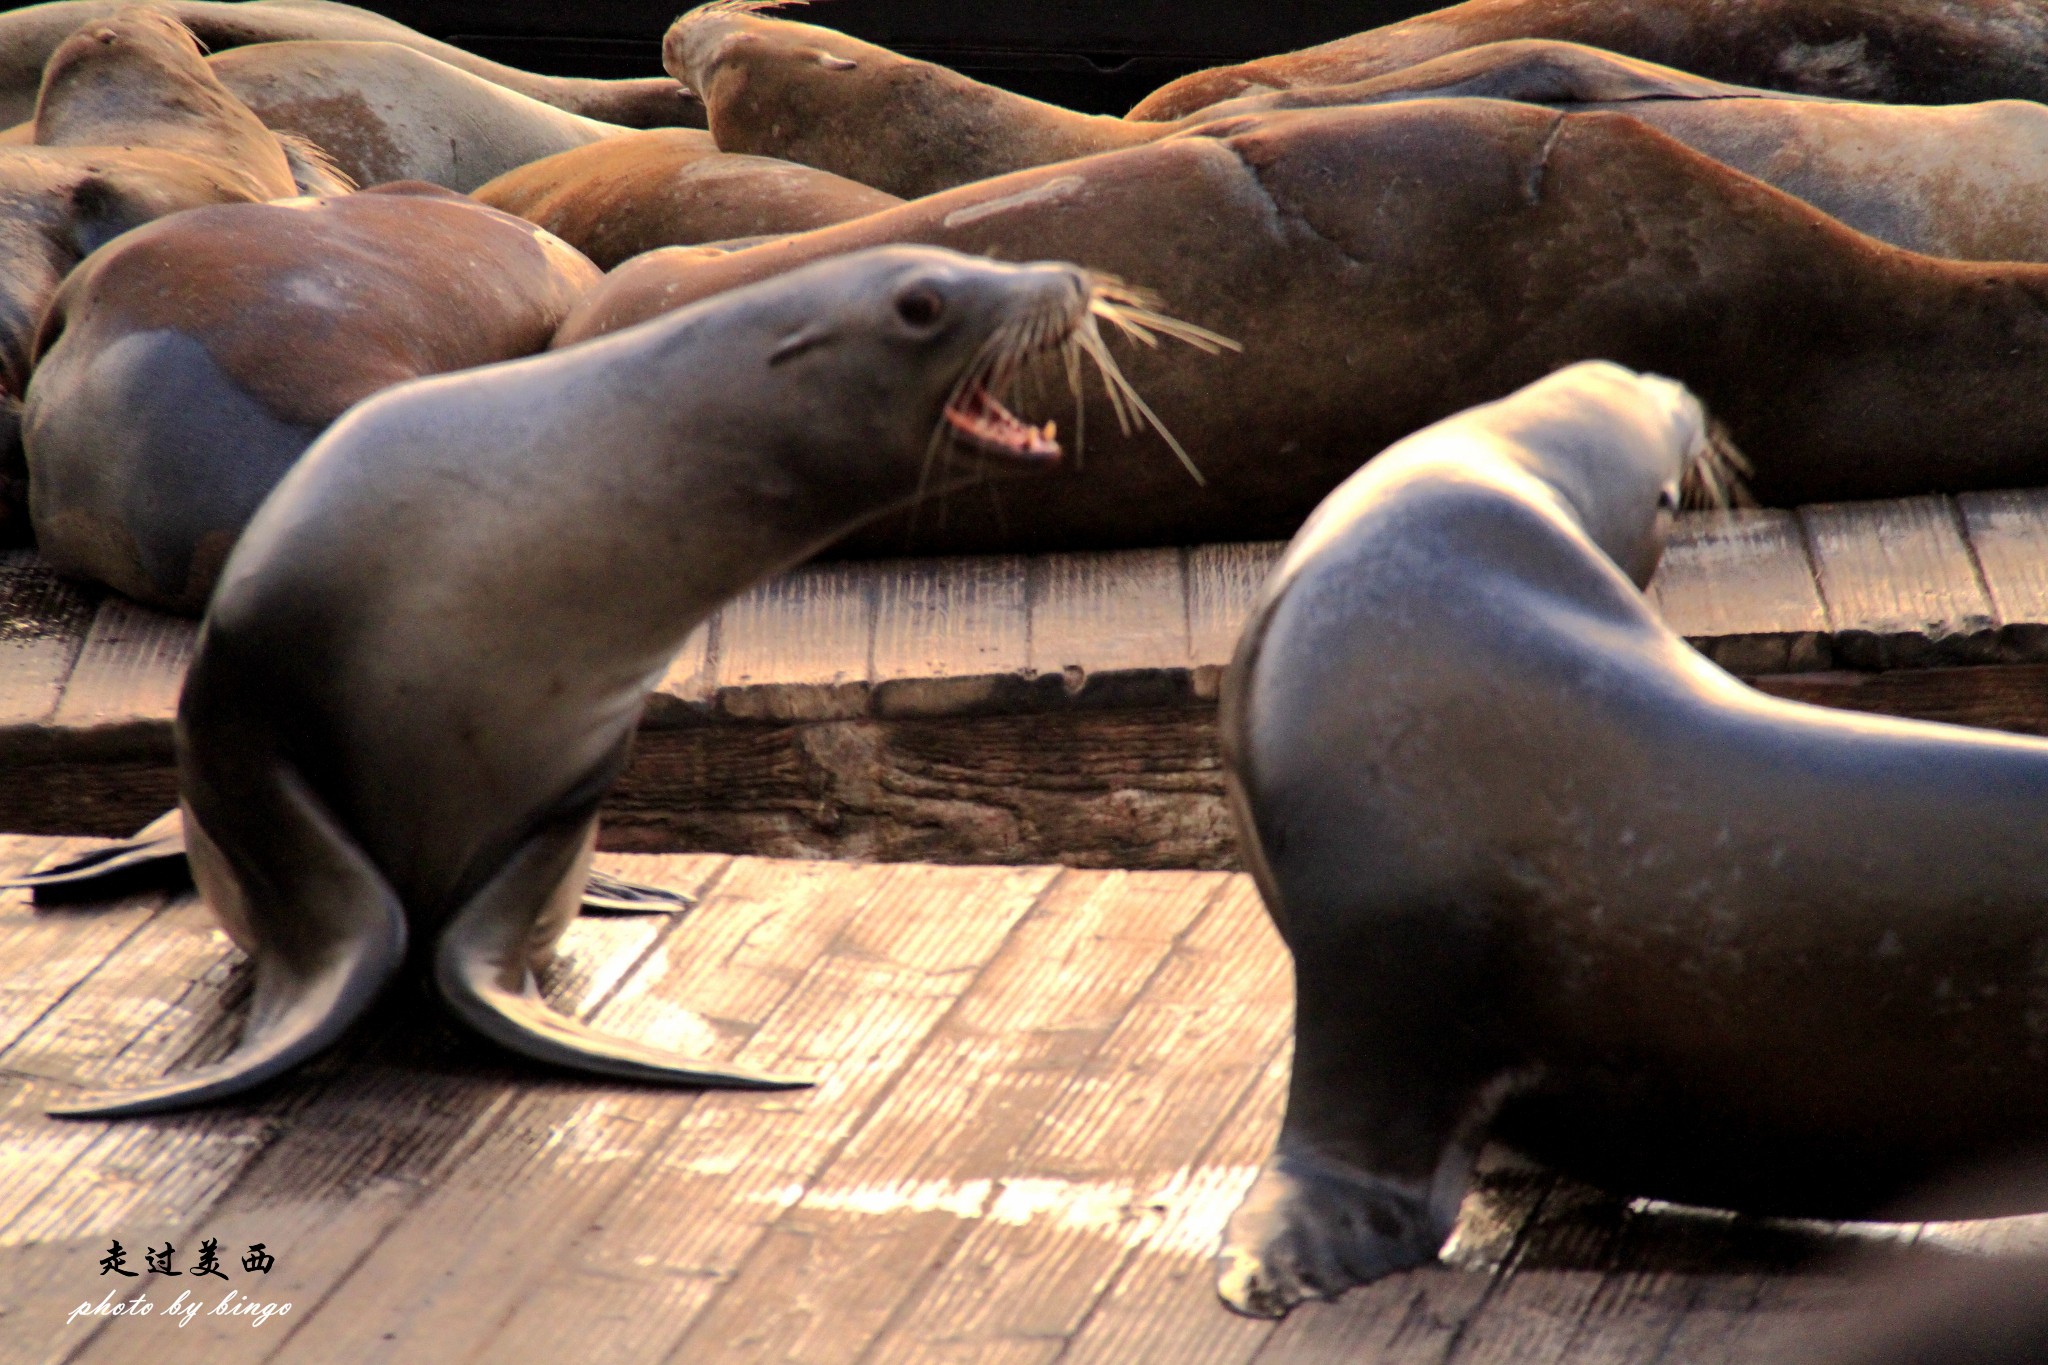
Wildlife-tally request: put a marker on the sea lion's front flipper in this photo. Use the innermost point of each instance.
(482, 968)
(154, 860)
(328, 934)
(604, 894)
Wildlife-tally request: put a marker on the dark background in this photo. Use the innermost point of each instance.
(1101, 56)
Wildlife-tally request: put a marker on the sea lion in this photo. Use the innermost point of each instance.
(163, 408)
(1551, 878)
(386, 112)
(1897, 51)
(28, 36)
(773, 87)
(673, 187)
(383, 754)
(1966, 181)
(1385, 266)
(130, 125)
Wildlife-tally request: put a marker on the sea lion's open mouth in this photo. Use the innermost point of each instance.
(977, 418)
(974, 417)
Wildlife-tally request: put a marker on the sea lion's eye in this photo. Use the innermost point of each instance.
(919, 307)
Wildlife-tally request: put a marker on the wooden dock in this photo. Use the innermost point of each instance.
(1040, 1092)
(1061, 708)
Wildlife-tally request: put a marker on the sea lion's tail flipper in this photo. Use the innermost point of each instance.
(481, 967)
(154, 860)
(332, 933)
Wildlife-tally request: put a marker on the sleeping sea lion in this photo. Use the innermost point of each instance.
(1551, 878)
(28, 35)
(164, 408)
(1385, 266)
(386, 755)
(386, 112)
(1898, 51)
(673, 187)
(1968, 181)
(130, 125)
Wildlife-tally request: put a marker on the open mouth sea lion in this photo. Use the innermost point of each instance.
(429, 651)
(1550, 877)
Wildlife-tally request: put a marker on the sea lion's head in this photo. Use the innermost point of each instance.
(726, 39)
(139, 63)
(1622, 451)
(918, 350)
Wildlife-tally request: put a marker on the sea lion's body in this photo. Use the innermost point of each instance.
(28, 36)
(1386, 266)
(1898, 51)
(673, 187)
(164, 409)
(1548, 876)
(429, 651)
(130, 125)
(387, 112)
(1966, 181)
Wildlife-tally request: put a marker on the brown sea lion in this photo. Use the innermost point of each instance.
(1385, 266)
(772, 87)
(1899, 51)
(1968, 181)
(673, 187)
(1551, 878)
(28, 36)
(130, 125)
(182, 370)
(386, 112)
(390, 756)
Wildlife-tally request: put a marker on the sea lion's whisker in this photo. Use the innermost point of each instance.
(1717, 476)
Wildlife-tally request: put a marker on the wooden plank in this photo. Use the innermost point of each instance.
(1223, 582)
(1740, 586)
(737, 1161)
(1124, 1135)
(2004, 697)
(2008, 534)
(497, 1222)
(951, 635)
(831, 1270)
(1162, 1308)
(687, 690)
(1901, 588)
(797, 647)
(43, 621)
(414, 1104)
(130, 669)
(1111, 627)
(1109, 787)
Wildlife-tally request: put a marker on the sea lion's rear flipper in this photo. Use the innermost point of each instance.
(481, 965)
(333, 933)
(154, 860)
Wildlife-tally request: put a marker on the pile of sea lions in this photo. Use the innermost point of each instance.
(456, 397)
